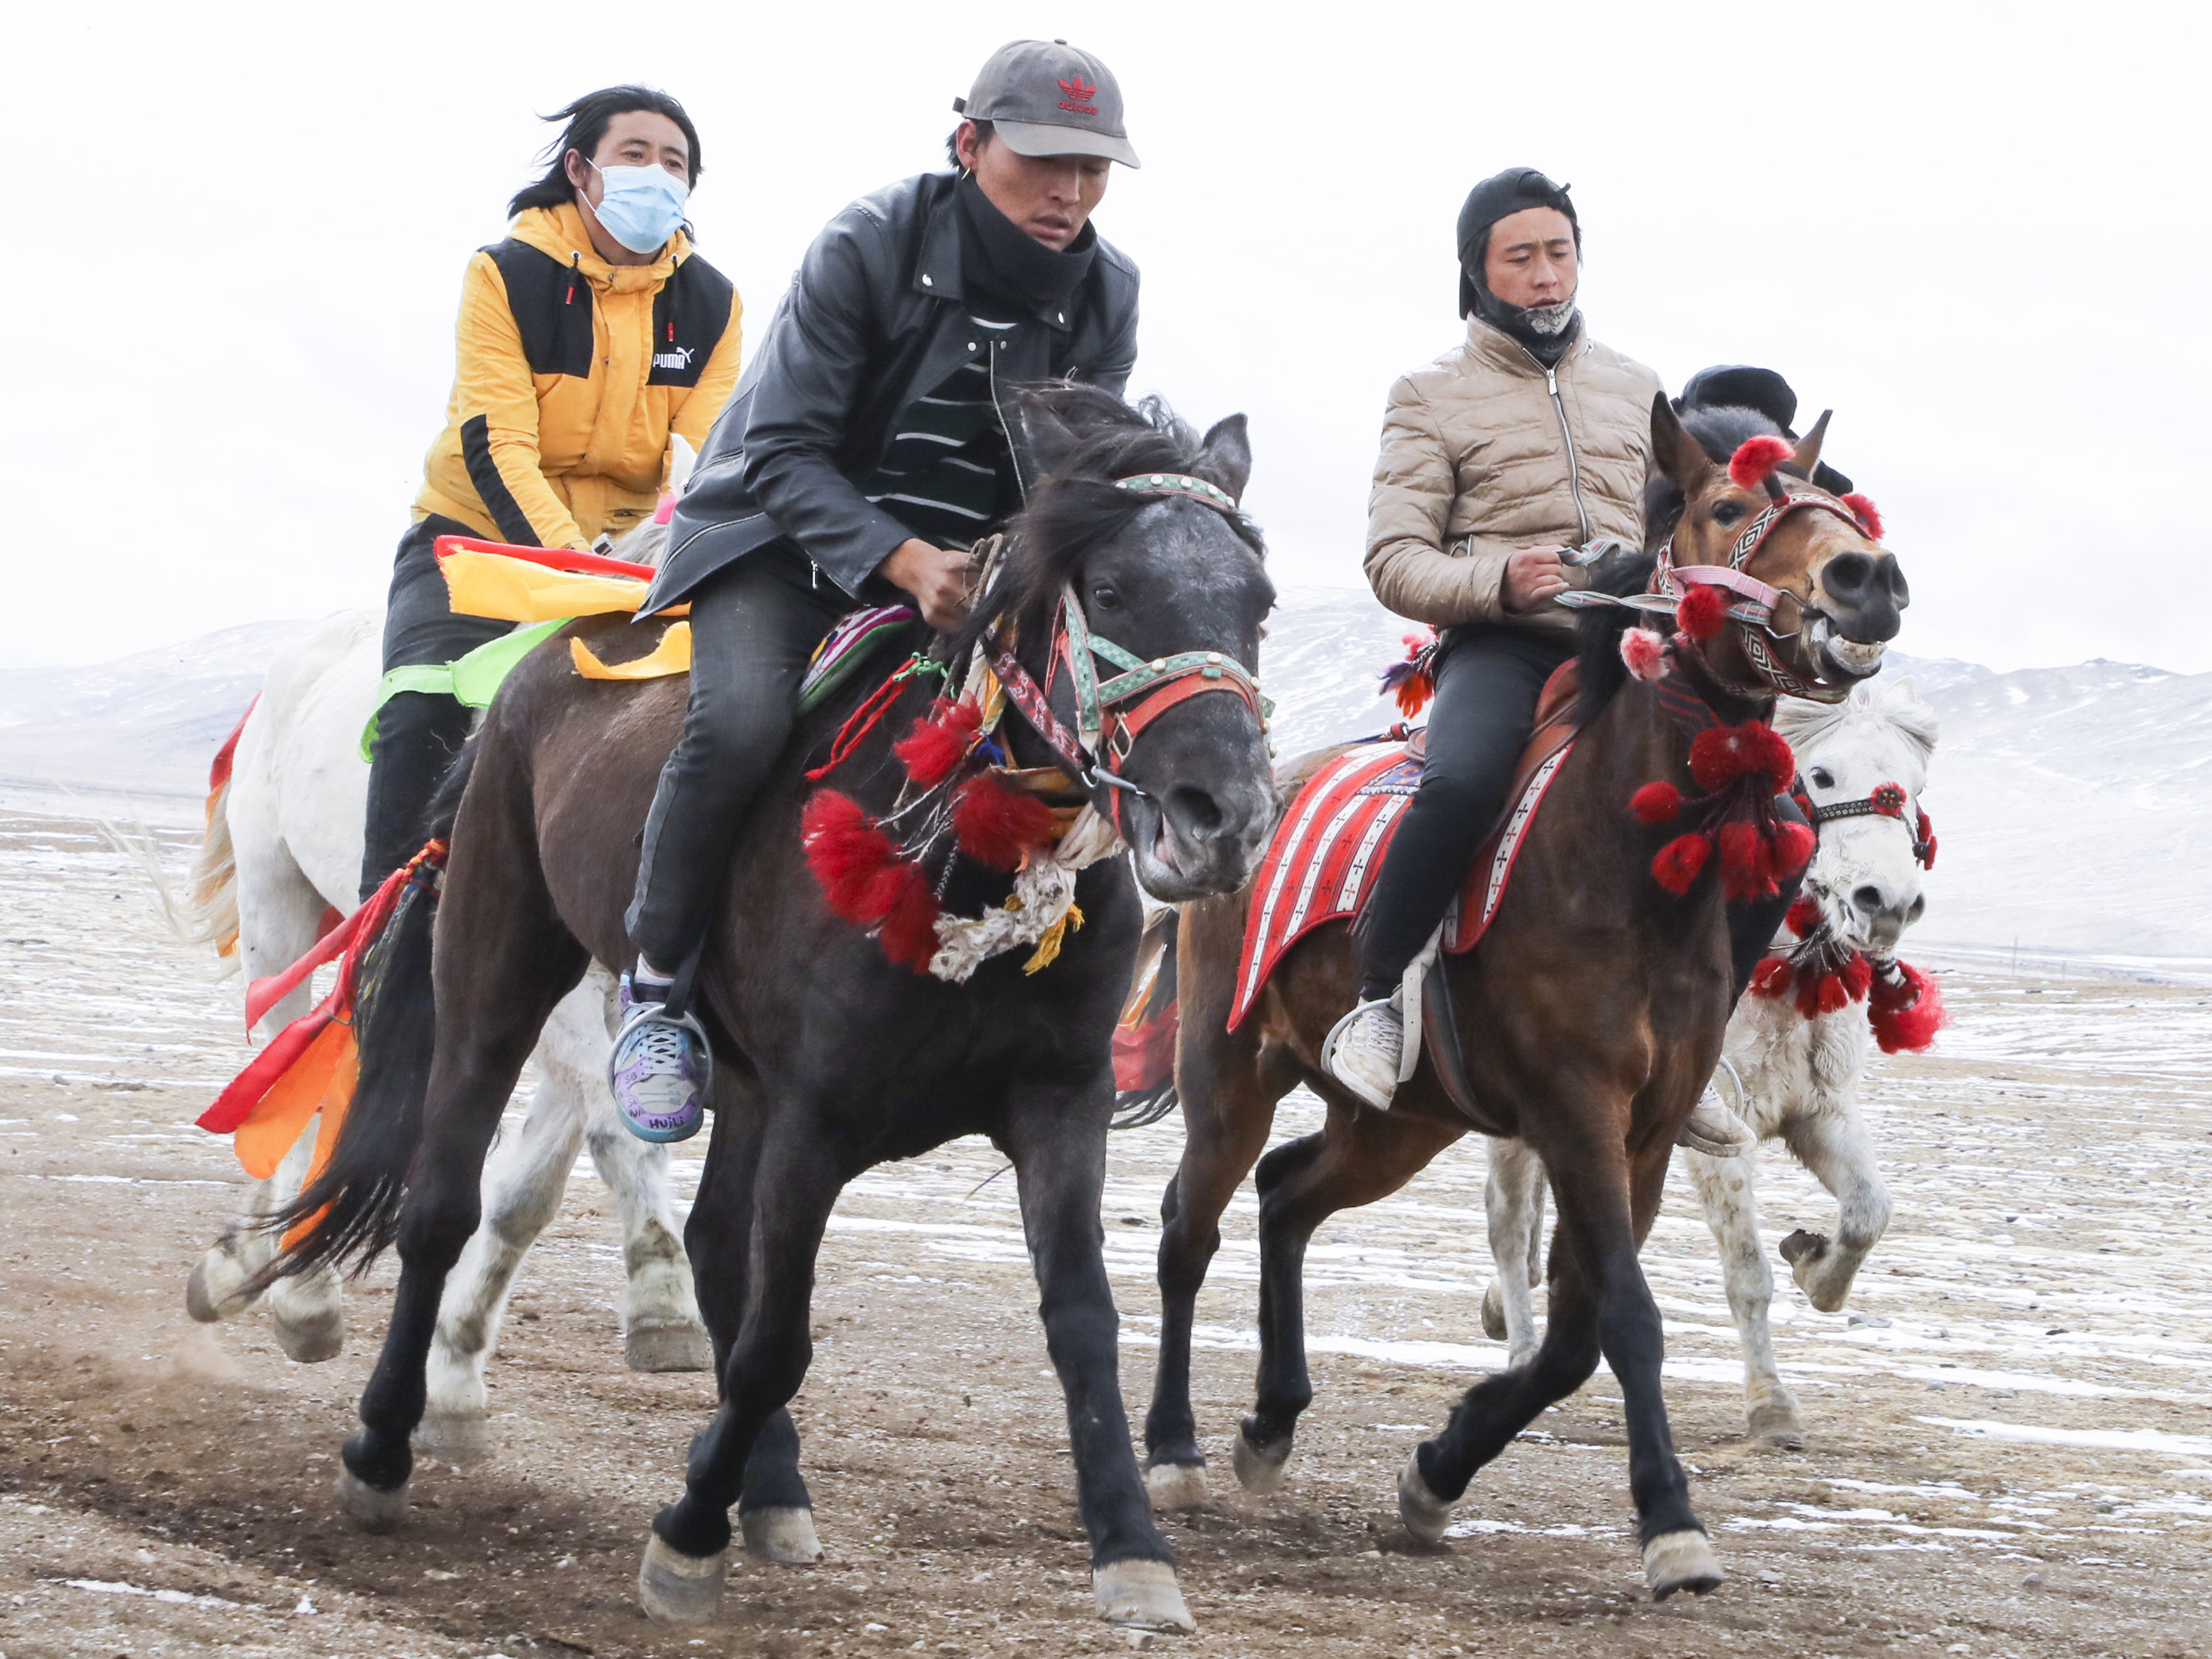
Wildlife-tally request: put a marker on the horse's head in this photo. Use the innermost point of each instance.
(1132, 570)
(1865, 762)
(1830, 595)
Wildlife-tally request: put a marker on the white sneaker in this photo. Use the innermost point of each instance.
(1364, 1051)
(1713, 1129)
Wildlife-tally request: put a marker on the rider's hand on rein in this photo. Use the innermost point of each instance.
(1533, 574)
(936, 577)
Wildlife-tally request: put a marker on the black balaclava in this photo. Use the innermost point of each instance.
(1494, 198)
(999, 259)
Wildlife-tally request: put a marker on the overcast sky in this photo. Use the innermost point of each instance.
(1976, 231)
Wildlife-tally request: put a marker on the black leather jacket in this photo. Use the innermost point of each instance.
(874, 319)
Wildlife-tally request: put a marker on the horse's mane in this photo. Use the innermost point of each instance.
(1097, 438)
(1893, 703)
(1599, 671)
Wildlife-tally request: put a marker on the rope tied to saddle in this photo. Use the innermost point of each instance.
(962, 797)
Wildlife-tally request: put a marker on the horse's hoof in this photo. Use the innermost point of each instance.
(1260, 1469)
(213, 1295)
(668, 1345)
(1802, 1246)
(1493, 1313)
(1142, 1595)
(1176, 1486)
(366, 1506)
(311, 1341)
(1775, 1422)
(1681, 1561)
(460, 1439)
(783, 1536)
(676, 1589)
(1425, 1515)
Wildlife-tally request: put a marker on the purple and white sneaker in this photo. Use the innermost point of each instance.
(660, 1071)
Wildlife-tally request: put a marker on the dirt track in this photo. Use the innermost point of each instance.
(2018, 1461)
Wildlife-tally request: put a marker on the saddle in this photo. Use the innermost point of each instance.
(1328, 849)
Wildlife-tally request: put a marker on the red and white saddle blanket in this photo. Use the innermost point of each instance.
(1326, 853)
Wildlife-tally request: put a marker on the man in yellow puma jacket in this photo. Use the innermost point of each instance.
(586, 338)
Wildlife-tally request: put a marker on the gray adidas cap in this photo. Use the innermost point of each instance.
(1046, 98)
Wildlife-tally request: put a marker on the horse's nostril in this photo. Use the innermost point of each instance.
(1847, 576)
(1912, 912)
(1870, 899)
(1194, 811)
(1894, 574)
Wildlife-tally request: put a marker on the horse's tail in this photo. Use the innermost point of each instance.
(207, 913)
(351, 1212)
(1145, 1040)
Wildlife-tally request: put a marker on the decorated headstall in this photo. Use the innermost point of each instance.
(1111, 712)
(1886, 800)
(888, 874)
(1703, 598)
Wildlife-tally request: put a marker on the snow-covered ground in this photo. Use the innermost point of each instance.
(2069, 800)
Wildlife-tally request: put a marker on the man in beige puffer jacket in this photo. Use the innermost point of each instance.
(1528, 440)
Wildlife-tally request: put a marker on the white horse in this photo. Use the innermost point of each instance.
(284, 840)
(1789, 1078)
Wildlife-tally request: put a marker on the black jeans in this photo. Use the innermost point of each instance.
(1487, 682)
(418, 733)
(754, 628)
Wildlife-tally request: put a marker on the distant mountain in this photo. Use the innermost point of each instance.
(147, 724)
(2070, 801)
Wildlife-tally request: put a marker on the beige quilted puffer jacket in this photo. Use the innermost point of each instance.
(1484, 452)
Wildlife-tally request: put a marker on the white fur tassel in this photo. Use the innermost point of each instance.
(1643, 652)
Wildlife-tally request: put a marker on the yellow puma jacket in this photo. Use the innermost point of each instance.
(571, 374)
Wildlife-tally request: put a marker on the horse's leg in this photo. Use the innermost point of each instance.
(1832, 1144)
(794, 1186)
(522, 1188)
(1728, 1189)
(1356, 1159)
(1513, 1205)
(1598, 1291)
(1057, 1139)
(1228, 1108)
(775, 1513)
(503, 961)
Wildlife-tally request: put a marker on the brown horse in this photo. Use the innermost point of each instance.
(1589, 1016)
(831, 1059)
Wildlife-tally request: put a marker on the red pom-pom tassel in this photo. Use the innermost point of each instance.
(1857, 976)
(1656, 803)
(1722, 754)
(1907, 1010)
(1926, 835)
(996, 825)
(940, 741)
(1793, 848)
(1755, 457)
(1863, 510)
(1747, 861)
(1679, 860)
(847, 853)
(1804, 916)
(908, 932)
(1770, 978)
(1702, 611)
(1643, 652)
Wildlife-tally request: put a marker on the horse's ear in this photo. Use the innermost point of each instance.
(1227, 455)
(1808, 447)
(1680, 457)
(1041, 441)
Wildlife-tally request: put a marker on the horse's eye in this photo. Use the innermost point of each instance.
(1727, 512)
(1822, 778)
(1105, 598)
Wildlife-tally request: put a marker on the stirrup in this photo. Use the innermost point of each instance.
(1328, 1052)
(1722, 1133)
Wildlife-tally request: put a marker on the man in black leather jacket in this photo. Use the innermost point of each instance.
(863, 452)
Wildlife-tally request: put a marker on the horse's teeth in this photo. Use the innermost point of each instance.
(1856, 652)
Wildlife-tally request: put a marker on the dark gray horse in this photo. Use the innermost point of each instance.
(831, 1059)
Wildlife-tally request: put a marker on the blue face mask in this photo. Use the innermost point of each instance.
(641, 207)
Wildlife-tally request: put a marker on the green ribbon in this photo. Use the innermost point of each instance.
(472, 680)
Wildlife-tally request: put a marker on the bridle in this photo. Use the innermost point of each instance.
(1757, 603)
(1886, 800)
(1111, 712)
